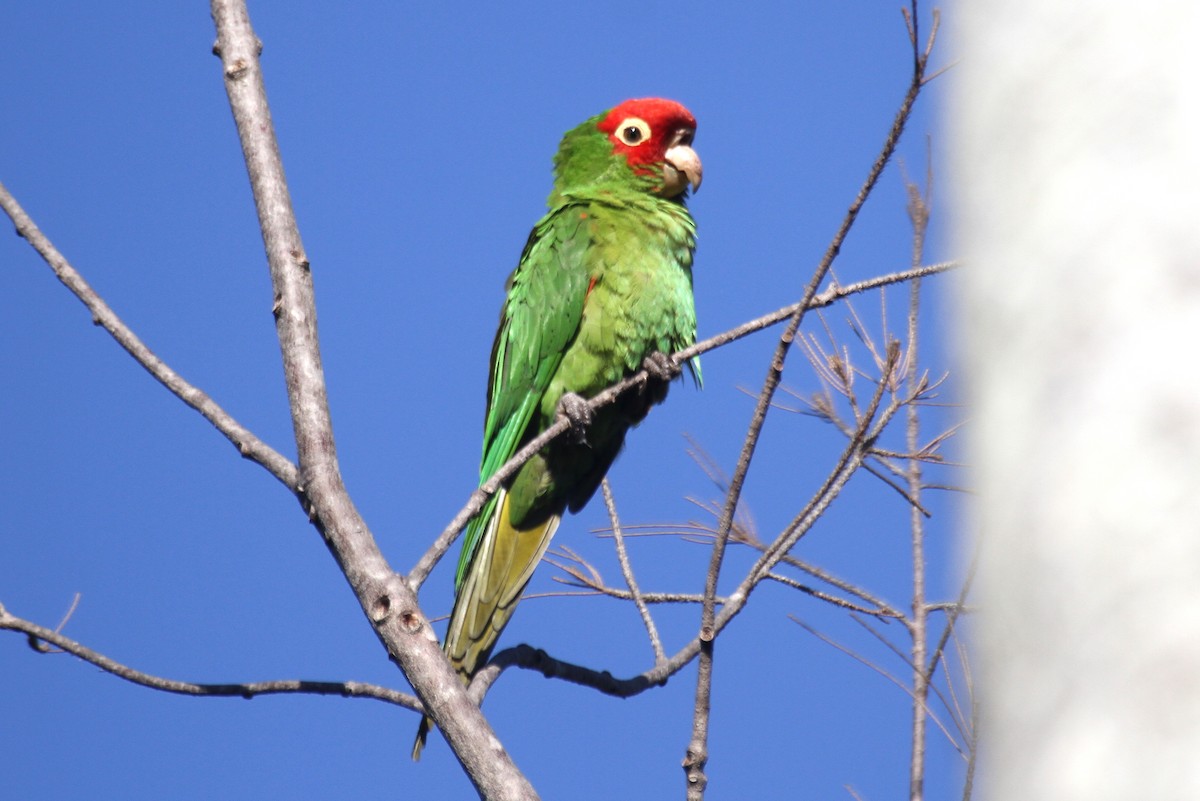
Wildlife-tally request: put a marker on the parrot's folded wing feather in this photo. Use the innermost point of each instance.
(540, 319)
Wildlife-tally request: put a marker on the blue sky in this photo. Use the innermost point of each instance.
(417, 142)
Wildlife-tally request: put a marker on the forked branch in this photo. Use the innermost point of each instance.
(697, 752)
(387, 600)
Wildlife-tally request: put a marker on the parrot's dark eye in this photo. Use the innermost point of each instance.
(633, 131)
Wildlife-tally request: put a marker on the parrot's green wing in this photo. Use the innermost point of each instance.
(539, 320)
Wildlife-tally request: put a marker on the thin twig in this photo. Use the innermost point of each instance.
(973, 729)
(845, 586)
(587, 577)
(878, 635)
(38, 635)
(948, 487)
(42, 646)
(698, 533)
(882, 672)
(248, 445)
(832, 599)
(621, 594)
(954, 706)
(903, 493)
(952, 615)
(660, 655)
(907, 660)
(530, 658)
(849, 462)
(950, 606)
(964, 665)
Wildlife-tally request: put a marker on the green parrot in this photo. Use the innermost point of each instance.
(602, 289)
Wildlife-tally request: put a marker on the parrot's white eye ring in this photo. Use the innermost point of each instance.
(633, 131)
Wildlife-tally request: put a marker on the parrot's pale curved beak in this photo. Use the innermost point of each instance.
(682, 166)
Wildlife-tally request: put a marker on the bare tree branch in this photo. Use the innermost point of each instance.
(349, 689)
(901, 491)
(583, 574)
(849, 462)
(918, 212)
(966, 722)
(386, 598)
(907, 660)
(700, 534)
(886, 609)
(821, 300)
(882, 672)
(832, 599)
(954, 610)
(380, 591)
(247, 444)
(620, 594)
(697, 752)
(530, 658)
(660, 655)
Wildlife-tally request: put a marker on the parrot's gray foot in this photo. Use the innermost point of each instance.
(660, 367)
(578, 414)
(660, 372)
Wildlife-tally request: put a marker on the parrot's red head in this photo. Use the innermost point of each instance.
(651, 132)
(641, 145)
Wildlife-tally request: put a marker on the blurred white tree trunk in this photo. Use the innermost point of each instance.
(1076, 138)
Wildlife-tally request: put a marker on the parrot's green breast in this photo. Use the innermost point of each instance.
(640, 298)
(637, 300)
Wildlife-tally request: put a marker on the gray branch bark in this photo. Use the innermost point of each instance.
(386, 598)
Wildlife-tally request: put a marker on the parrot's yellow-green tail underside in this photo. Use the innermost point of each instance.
(503, 564)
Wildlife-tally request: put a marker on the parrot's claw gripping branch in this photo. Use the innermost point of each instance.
(661, 367)
(661, 370)
(578, 413)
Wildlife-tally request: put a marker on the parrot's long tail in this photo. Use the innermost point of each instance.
(502, 565)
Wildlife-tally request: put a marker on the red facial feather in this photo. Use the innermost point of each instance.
(664, 118)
